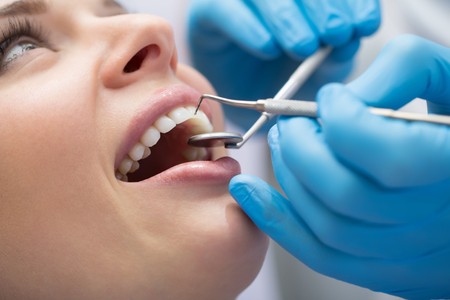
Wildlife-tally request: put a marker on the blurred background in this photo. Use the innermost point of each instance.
(282, 276)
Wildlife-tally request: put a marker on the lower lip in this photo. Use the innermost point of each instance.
(198, 172)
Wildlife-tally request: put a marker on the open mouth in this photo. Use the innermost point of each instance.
(164, 145)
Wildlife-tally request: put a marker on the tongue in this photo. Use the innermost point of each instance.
(165, 154)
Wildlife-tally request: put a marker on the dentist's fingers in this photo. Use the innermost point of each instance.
(276, 217)
(395, 153)
(408, 67)
(332, 19)
(270, 211)
(288, 24)
(348, 192)
(235, 20)
(366, 16)
(359, 238)
(344, 53)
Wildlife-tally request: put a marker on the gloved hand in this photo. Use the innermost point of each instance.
(249, 48)
(369, 196)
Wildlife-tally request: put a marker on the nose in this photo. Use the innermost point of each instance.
(139, 46)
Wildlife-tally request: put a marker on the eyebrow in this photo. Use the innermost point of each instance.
(36, 7)
(24, 7)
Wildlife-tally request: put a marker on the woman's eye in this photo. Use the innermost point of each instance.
(17, 51)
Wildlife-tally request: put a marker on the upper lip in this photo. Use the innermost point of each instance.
(161, 102)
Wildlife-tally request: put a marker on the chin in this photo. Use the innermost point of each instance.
(246, 250)
(228, 256)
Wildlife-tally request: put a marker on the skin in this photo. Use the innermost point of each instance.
(68, 228)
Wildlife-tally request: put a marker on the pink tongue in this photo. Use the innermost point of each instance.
(166, 154)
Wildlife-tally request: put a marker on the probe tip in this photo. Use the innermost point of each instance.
(198, 106)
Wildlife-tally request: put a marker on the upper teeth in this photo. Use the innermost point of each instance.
(163, 125)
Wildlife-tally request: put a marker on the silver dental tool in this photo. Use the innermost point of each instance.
(271, 106)
(301, 108)
(295, 82)
(279, 105)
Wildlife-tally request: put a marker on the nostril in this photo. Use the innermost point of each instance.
(135, 63)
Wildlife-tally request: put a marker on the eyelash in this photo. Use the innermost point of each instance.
(18, 28)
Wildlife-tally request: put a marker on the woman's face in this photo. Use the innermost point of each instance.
(82, 85)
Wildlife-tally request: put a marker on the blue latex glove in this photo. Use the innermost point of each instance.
(249, 48)
(369, 196)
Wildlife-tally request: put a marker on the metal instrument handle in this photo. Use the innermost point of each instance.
(291, 108)
(297, 79)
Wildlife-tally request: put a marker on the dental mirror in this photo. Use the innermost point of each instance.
(215, 139)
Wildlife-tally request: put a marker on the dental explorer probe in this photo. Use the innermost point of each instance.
(308, 109)
(295, 82)
(275, 107)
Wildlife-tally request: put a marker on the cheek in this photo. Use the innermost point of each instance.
(45, 97)
(45, 122)
(47, 140)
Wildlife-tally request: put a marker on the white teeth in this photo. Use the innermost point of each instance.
(165, 124)
(201, 153)
(151, 137)
(190, 154)
(193, 154)
(192, 109)
(126, 165)
(137, 152)
(180, 115)
(201, 122)
(134, 167)
(199, 129)
(147, 153)
(200, 118)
